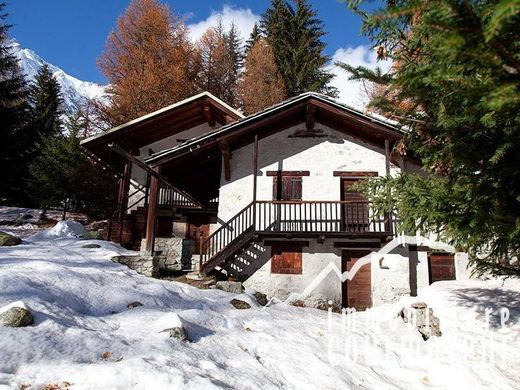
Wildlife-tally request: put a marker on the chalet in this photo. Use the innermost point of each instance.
(268, 199)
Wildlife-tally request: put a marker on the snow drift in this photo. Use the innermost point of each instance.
(84, 333)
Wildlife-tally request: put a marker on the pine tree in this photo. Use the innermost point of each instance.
(455, 86)
(295, 35)
(261, 84)
(236, 60)
(147, 61)
(63, 175)
(13, 114)
(45, 100)
(220, 59)
(254, 37)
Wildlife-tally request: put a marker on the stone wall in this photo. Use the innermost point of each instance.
(174, 253)
(144, 265)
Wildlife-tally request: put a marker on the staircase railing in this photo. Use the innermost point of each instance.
(172, 198)
(313, 217)
(227, 233)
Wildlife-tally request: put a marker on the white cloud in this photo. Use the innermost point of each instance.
(352, 92)
(243, 18)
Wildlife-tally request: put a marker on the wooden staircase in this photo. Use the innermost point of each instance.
(229, 248)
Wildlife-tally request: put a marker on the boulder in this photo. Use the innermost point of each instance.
(9, 240)
(91, 246)
(16, 317)
(423, 318)
(231, 287)
(241, 305)
(133, 305)
(177, 332)
(261, 298)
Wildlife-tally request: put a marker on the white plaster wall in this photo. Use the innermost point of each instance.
(320, 156)
(462, 272)
(315, 258)
(390, 278)
(423, 272)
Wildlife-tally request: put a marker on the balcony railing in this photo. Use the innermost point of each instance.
(168, 197)
(297, 217)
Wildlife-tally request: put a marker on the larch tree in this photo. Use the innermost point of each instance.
(261, 84)
(456, 88)
(295, 35)
(13, 114)
(147, 61)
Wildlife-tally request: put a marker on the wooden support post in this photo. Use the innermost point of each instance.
(387, 156)
(255, 177)
(227, 156)
(124, 186)
(151, 215)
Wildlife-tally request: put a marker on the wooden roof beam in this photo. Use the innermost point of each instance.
(206, 109)
(227, 155)
(310, 117)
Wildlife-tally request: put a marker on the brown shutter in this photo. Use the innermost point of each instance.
(286, 259)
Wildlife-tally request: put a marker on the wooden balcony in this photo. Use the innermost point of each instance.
(321, 219)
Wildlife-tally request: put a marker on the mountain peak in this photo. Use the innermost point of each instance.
(73, 90)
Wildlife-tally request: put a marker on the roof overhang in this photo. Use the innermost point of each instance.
(357, 124)
(160, 124)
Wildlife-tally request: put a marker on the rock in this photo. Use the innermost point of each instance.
(238, 304)
(91, 246)
(423, 318)
(9, 240)
(177, 332)
(16, 317)
(231, 287)
(133, 305)
(261, 298)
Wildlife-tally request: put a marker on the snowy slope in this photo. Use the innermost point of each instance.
(74, 91)
(85, 335)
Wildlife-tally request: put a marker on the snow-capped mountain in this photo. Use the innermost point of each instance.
(74, 91)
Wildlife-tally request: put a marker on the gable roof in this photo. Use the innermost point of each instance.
(185, 114)
(372, 128)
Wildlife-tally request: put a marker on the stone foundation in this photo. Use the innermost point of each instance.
(144, 265)
(173, 253)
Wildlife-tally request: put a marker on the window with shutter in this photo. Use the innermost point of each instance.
(286, 258)
(287, 187)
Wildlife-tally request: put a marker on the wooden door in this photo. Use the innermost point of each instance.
(198, 230)
(441, 267)
(356, 293)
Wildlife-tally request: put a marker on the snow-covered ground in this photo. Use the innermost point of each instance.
(24, 222)
(85, 335)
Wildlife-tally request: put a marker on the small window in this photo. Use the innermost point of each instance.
(287, 187)
(286, 258)
(441, 267)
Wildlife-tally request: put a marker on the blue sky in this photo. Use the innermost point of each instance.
(71, 33)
